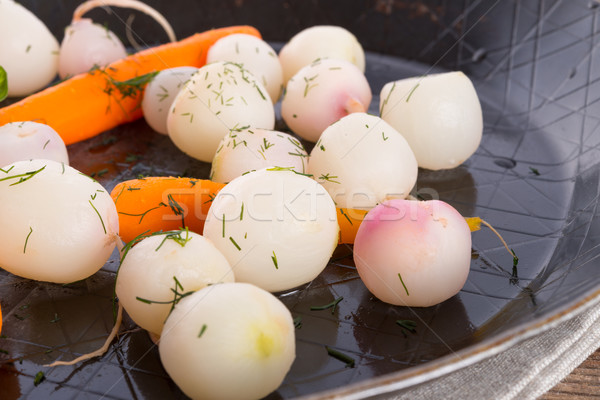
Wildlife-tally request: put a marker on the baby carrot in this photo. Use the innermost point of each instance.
(165, 203)
(93, 102)
(149, 205)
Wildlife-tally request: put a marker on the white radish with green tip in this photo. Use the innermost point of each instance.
(63, 224)
(217, 99)
(246, 150)
(276, 227)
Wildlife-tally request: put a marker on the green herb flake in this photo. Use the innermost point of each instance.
(242, 212)
(331, 305)
(412, 91)
(534, 171)
(99, 216)
(235, 243)
(402, 281)
(27, 239)
(298, 322)
(39, 377)
(56, 319)
(350, 363)
(3, 84)
(202, 330)
(46, 144)
(407, 325)
(274, 259)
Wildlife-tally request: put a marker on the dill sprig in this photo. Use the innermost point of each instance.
(331, 305)
(341, 356)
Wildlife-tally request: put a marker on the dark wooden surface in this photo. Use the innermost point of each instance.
(582, 383)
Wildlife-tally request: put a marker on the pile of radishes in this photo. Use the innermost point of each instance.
(205, 295)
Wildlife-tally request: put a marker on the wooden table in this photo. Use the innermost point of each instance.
(582, 383)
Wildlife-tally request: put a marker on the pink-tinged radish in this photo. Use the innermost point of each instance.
(413, 253)
(439, 115)
(160, 93)
(322, 93)
(255, 55)
(246, 150)
(228, 341)
(321, 41)
(87, 45)
(362, 161)
(28, 140)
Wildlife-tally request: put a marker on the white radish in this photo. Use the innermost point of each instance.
(181, 260)
(413, 253)
(253, 149)
(321, 41)
(28, 50)
(255, 55)
(228, 341)
(439, 115)
(276, 227)
(362, 161)
(28, 140)
(322, 93)
(219, 98)
(63, 224)
(160, 93)
(87, 45)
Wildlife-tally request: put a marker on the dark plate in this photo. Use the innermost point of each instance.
(536, 67)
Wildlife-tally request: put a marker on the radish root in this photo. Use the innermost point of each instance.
(133, 4)
(101, 350)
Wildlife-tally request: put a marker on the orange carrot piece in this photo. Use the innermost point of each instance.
(150, 205)
(90, 103)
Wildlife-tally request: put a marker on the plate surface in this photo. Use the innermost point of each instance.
(536, 68)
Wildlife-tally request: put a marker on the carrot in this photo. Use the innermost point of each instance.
(162, 203)
(93, 102)
(165, 203)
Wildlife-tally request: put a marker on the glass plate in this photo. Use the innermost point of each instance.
(535, 177)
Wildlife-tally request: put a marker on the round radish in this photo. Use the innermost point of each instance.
(219, 98)
(322, 93)
(181, 260)
(160, 93)
(63, 224)
(87, 45)
(276, 227)
(28, 140)
(362, 161)
(413, 253)
(322, 41)
(228, 341)
(253, 149)
(255, 55)
(439, 115)
(28, 51)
